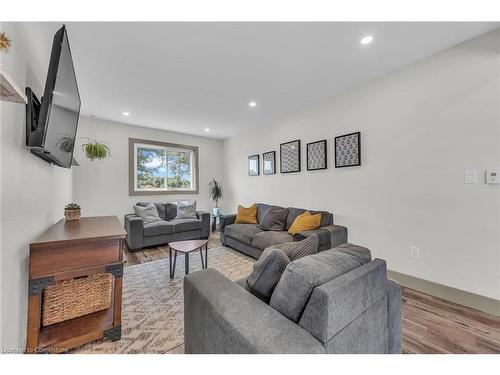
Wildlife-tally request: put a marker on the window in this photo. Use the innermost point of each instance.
(162, 168)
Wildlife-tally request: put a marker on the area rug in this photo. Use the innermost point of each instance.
(152, 311)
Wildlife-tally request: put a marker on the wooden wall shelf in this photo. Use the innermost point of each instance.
(67, 250)
(9, 91)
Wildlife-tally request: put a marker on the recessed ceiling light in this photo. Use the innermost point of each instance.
(368, 39)
(252, 104)
(126, 113)
(207, 130)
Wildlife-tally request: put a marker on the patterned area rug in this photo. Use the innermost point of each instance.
(152, 312)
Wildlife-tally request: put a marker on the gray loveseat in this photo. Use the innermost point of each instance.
(336, 301)
(169, 229)
(251, 240)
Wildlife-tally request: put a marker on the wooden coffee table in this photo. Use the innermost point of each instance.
(187, 247)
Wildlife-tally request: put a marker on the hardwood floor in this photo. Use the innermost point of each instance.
(434, 325)
(429, 324)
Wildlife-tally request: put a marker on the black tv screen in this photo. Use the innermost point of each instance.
(53, 137)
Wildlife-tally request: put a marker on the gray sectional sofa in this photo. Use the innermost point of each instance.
(251, 240)
(141, 234)
(336, 301)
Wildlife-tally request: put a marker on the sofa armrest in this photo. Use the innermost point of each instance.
(222, 317)
(134, 226)
(329, 236)
(394, 311)
(205, 223)
(226, 220)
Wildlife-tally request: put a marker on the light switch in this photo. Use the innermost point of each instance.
(470, 176)
(492, 177)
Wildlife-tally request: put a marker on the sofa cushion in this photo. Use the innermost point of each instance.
(292, 215)
(303, 275)
(160, 207)
(304, 222)
(246, 215)
(242, 232)
(186, 210)
(148, 213)
(184, 225)
(294, 212)
(266, 273)
(266, 239)
(273, 219)
(170, 210)
(262, 208)
(158, 228)
(325, 217)
(299, 249)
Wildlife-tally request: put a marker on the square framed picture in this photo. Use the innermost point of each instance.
(348, 150)
(316, 155)
(253, 165)
(269, 162)
(290, 157)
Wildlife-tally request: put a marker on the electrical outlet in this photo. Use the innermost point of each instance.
(414, 252)
(470, 176)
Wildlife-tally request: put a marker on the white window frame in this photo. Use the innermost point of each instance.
(134, 144)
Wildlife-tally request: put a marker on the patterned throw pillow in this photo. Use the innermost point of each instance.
(186, 210)
(299, 249)
(272, 263)
(267, 273)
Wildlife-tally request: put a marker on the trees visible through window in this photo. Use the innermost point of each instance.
(162, 167)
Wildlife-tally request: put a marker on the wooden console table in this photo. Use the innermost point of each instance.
(67, 250)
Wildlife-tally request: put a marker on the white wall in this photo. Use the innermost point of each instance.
(421, 127)
(33, 193)
(102, 187)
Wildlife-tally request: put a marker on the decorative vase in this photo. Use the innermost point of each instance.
(72, 214)
(216, 211)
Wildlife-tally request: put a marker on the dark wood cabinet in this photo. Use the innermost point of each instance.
(68, 250)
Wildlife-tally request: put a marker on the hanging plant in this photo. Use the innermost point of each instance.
(96, 150)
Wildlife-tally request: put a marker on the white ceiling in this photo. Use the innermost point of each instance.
(186, 77)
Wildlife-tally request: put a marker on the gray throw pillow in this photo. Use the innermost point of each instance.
(148, 213)
(186, 210)
(274, 219)
(299, 249)
(267, 273)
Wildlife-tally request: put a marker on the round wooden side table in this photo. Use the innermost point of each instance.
(186, 247)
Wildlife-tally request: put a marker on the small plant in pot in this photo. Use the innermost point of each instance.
(72, 211)
(216, 193)
(96, 150)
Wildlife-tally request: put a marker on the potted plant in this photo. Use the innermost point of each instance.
(96, 150)
(72, 211)
(216, 192)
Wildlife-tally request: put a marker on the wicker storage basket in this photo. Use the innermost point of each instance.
(71, 299)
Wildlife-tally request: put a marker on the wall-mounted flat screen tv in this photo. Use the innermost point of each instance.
(51, 123)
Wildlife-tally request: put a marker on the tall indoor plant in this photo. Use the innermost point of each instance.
(216, 193)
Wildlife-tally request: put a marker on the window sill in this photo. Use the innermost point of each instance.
(162, 192)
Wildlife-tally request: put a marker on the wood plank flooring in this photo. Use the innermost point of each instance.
(434, 325)
(429, 324)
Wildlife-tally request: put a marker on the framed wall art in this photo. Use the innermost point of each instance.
(290, 157)
(348, 150)
(253, 165)
(269, 162)
(316, 153)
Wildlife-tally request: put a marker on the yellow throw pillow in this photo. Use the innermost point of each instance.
(246, 215)
(305, 221)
